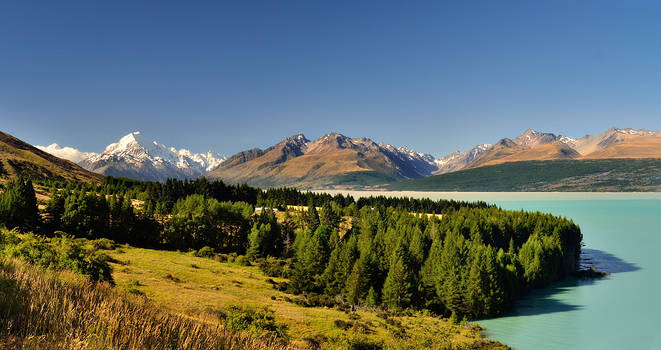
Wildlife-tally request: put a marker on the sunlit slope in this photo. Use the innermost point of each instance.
(551, 175)
(188, 284)
(20, 158)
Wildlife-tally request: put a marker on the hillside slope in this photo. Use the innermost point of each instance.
(20, 158)
(551, 175)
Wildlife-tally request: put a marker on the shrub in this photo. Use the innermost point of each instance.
(242, 260)
(258, 322)
(103, 244)
(58, 253)
(343, 325)
(315, 341)
(205, 252)
(274, 267)
(357, 342)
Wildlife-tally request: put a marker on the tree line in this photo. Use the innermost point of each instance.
(473, 263)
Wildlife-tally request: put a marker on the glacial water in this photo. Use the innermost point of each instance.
(622, 234)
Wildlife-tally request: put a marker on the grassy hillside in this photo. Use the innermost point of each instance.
(187, 284)
(552, 175)
(20, 158)
(46, 309)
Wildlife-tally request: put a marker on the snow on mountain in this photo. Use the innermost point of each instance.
(136, 157)
(458, 160)
(68, 153)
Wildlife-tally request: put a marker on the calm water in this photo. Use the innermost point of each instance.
(622, 234)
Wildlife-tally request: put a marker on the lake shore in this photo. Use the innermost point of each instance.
(503, 196)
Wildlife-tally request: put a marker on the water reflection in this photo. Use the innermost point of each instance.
(550, 300)
(605, 261)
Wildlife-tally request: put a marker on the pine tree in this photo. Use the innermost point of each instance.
(397, 289)
(358, 282)
(312, 217)
(18, 205)
(328, 217)
(372, 298)
(259, 241)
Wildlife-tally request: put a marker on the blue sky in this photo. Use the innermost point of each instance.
(437, 76)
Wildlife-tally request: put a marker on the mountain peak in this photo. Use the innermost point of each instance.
(132, 139)
(298, 138)
(134, 156)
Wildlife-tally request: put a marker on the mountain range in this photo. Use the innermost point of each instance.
(335, 160)
(134, 156)
(535, 145)
(331, 160)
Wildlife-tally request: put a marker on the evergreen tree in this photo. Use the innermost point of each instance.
(329, 217)
(18, 205)
(358, 282)
(397, 289)
(312, 217)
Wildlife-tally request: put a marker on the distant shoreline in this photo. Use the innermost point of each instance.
(502, 196)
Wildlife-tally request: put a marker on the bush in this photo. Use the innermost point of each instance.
(315, 341)
(276, 267)
(220, 257)
(357, 342)
(343, 325)
(205, 252)
(315, 300)
(259, 322)
(242, 260)
(58, 253)
(103, 244)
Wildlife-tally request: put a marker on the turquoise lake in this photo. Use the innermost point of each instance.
(622, 235)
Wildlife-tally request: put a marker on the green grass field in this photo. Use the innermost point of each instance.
(186, 284)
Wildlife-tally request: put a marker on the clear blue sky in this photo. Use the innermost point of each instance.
(437, 76)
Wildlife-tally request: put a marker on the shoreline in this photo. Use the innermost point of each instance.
(500, 196)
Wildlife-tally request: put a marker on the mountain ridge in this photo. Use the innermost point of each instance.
(298, 161)
(135, 157)
(17, 157)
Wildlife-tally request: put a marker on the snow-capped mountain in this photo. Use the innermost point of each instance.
(135, 157)
(459, 160)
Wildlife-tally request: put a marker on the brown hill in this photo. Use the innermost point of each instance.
(630, 146)
(20, 158)
(502, 149)
(613, 143)
(333, 159)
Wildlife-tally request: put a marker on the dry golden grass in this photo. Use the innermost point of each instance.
(42, 309)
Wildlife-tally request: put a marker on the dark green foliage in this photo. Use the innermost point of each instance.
(311, 259)
(260, 322)
(274, 267)
(398, 287)
(18, 205)
(57, 253)
(198, 221)
(265, 238)
(329, 217)
(472, 263)
(85, 215)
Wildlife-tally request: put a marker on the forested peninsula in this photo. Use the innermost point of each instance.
(472, 260)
